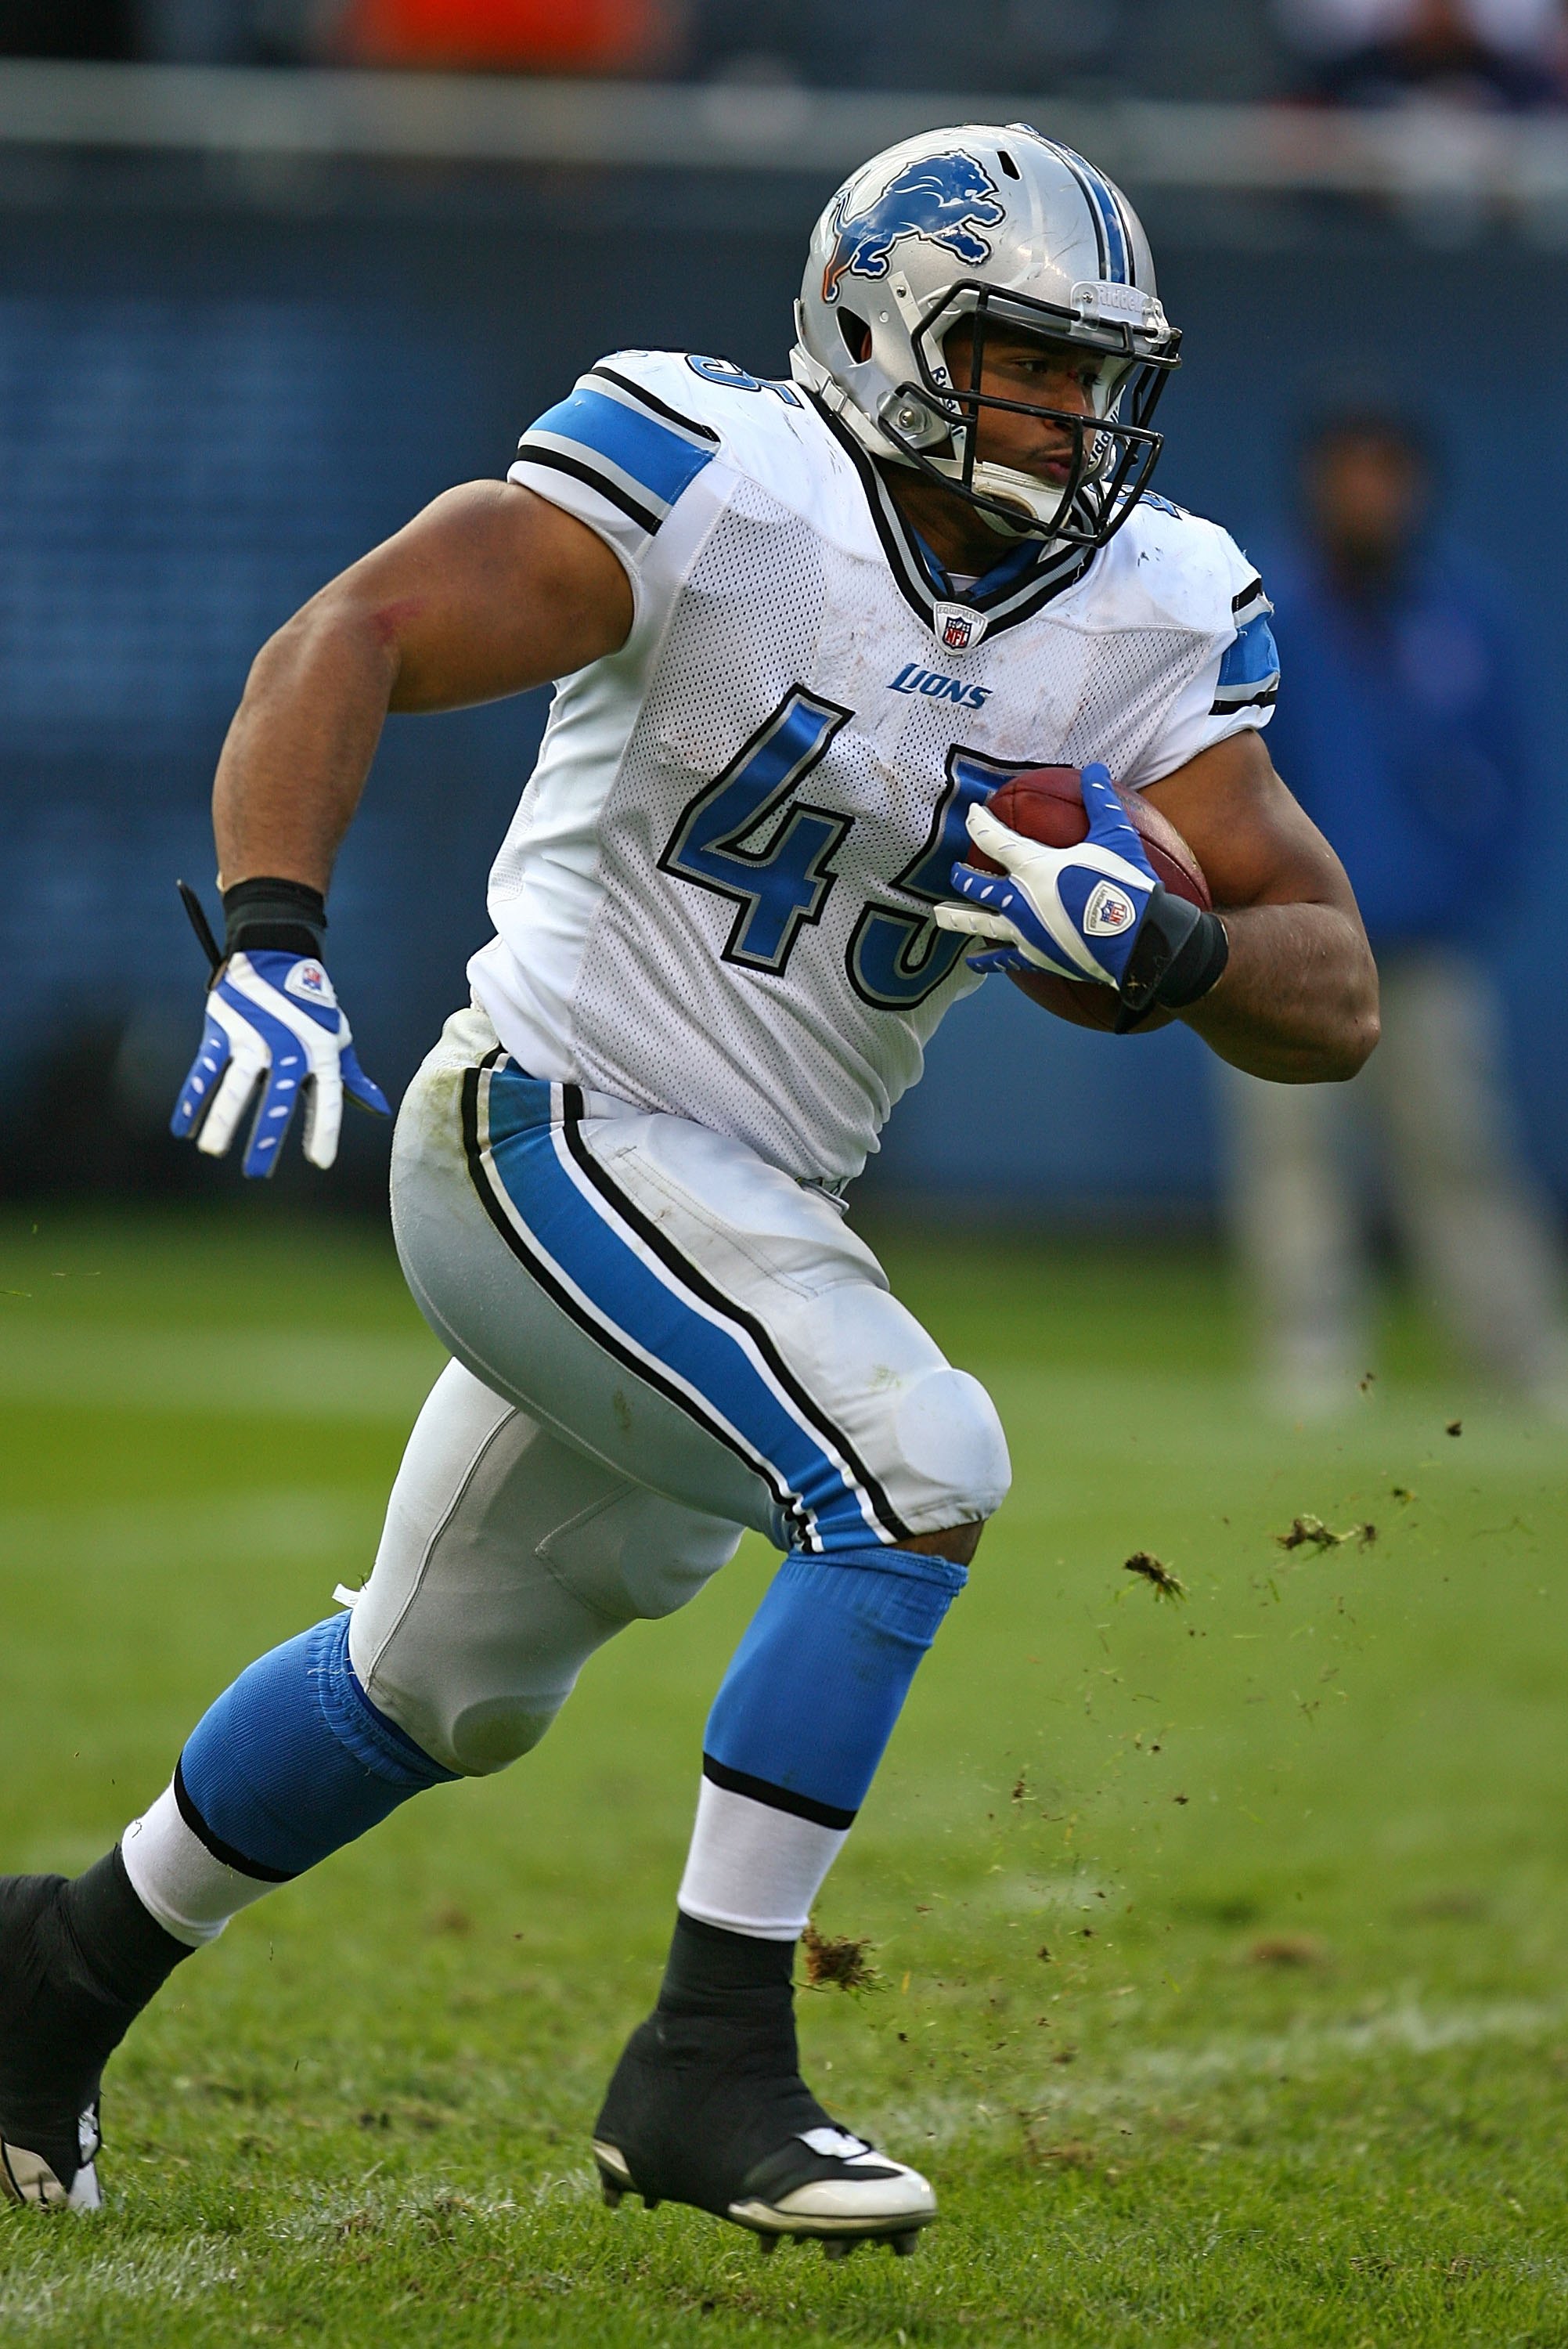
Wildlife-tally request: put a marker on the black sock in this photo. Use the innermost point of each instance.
(712, 1971)
(124, 1951)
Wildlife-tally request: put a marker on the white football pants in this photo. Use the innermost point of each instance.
(659, 1339)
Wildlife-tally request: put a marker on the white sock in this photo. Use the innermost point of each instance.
(176, 1877)
(754, 1869)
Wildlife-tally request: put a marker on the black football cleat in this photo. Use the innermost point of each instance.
(78, 1960)
(48, 2112)
(712, 2111)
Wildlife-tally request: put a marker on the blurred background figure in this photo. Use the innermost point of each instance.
(1400, 731)
(1487, 53)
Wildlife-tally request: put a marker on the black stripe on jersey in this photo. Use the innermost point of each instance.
(1003, 606)
(1250, 696)
(1249, 594)
(527, 454)
(485, 1184)
(222, 1851)
(651, 399)
(777, 1798)
(664, 1248)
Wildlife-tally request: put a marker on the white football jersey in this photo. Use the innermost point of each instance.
(714, 898)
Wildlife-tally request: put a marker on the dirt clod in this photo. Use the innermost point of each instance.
(1308, 1532)
(1287, 1949)
(837, 1960)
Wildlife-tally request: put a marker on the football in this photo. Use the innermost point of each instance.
(1046, 804)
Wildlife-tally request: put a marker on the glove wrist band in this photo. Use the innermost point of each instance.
(286, 917)
(1178, 956)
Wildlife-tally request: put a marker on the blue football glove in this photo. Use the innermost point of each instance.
(273, 1022)
(1075, 912)
(1093, 913)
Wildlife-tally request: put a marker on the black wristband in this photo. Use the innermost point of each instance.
(1178, 956)
(288, 917)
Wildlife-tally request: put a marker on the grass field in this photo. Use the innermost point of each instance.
(1219, 1942)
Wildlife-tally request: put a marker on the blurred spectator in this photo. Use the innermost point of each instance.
(1015, 45)
(232, 31)
(567, 37)
(1489, 54)
(1400, 729)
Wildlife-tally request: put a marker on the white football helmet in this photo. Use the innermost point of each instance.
(1004, 228)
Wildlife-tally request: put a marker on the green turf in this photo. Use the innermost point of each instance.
(1219, 1942)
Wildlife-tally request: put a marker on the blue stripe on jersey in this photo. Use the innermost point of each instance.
(662, 462)
(578, 1233)
(1254, 658)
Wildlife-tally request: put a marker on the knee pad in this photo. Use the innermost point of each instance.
(951, 1440)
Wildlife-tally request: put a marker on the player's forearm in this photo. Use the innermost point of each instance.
(301, 744)
(1298, 1000)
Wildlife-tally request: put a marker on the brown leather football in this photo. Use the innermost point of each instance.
(1046, 804)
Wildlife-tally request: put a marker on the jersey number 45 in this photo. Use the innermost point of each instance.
(748, 837)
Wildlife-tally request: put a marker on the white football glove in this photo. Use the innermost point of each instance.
(273, 1021)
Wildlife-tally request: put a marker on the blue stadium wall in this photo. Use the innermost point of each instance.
(214, 394)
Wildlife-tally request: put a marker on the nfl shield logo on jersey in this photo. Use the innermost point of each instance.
(957, 628)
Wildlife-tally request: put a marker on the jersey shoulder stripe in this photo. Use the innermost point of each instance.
(1248, 668)
(624, 445)
(640, 459)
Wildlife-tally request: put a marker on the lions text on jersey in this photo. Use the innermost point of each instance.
(715, 899)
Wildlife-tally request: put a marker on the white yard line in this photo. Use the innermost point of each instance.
(1142, 2080)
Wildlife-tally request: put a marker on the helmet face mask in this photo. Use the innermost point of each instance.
(989, 235)
(1110, 460)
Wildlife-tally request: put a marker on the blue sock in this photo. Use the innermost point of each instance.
(293, 1760)
(808, 1702)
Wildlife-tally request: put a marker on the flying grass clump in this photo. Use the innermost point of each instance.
(1310, 1533)
(1152, 1570)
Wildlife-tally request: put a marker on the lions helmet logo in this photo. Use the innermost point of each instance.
(940, 199)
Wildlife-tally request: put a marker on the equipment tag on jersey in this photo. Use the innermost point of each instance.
(957, 627)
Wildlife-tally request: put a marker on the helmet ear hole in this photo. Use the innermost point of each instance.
(857, 337)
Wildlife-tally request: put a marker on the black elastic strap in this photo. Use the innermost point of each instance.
(288, 917)
(1178, 956)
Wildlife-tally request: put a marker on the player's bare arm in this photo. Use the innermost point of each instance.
(489, 591)
(1297, 999)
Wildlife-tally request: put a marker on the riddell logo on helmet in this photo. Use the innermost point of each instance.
(940, 199)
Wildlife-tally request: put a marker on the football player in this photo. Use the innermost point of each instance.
(799, 632)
